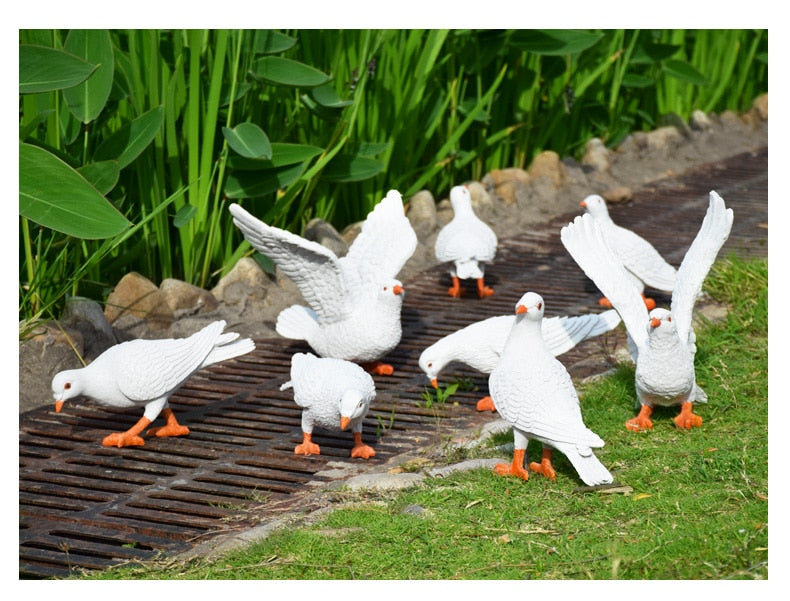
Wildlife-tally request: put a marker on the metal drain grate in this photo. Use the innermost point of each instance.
(83, 506)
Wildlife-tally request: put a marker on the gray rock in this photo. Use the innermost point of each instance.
(470, 464)
(384, 481)
(596, 156)
(422, 214)
(699, 120)
(184, 298)
(87, 317)
(318, 230)
(138, 296)
(245, 281)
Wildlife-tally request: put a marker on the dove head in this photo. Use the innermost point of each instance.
(595, 205)
(660, 320)
(432, 363)
(530, 306)
(65, 385)
(391, 292)
(461, 199)
(353, 405)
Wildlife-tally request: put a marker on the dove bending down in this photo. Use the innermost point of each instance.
(663, 342)
(534, 392)
(333, 394)
(479, 345)
(643, 263)
(466, 242)
(147, 372)
(355, 301)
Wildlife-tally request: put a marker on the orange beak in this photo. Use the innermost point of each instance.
(582, 204)
(521, 309)
(655, 322)
(344, 421)
(435, 383)
(397, 289)
(58, 406)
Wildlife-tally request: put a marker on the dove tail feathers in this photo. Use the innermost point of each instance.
(590, 469)
(228, 347)
(297, 322)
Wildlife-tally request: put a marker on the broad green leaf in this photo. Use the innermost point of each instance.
(366, 149)
(251, 184)
(685, 72)
(555, 41)
(651, 52)
(127, 143)
(282, 154)
(272, 42)
(54, 195)
(346, 168)
(43, 69)
(249, 141)
(102, 175)
(87, 99)
(287, 72)
(326, 96)
(184, 215)
(241, 89)
(630, 80)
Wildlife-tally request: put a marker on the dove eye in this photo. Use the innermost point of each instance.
(540, 305)
(669, 319)
(67, 385)
(430, 364)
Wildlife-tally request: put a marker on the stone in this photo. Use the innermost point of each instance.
(137, 295)
(323, 232)
(699, 120)
(87, 317)
(421, 213)
(618, 195)
(351, 231)
(244, 279)
(547, 164)
(663, 138)
(444, 212)
(184, 298)
(596, 156)
(480, 198)
(760, 105)
(506, 184)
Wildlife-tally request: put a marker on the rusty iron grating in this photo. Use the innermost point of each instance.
(83, 506)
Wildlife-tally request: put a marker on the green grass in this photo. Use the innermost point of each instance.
(697, 508)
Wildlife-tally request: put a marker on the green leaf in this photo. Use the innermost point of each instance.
(630, 80)
(684, 71)
(43, 69)
(282, 154)
(87, 99)
(326, 96)
(271, 42)
(367, 149)
(286, 72)
(347, 168)
(127, 143)
(103, 175)
(650, 52)
(251, 184)
(249, 141)
(184, 215)
(555, 41)
(54, 195)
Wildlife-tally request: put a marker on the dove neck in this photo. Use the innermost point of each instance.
(526, 332)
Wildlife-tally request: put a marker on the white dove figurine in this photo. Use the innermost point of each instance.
(480, 344)
(333, 394)
(534, 392)
(147, 372)
(642, 261)
(663, 341)
(355, 301)
(466, 242)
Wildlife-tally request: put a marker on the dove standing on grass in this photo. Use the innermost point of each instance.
(466, 242)
(664, 343)
(355, 301)
(480, 344)
(534, 393)
(334, 394)
(643, 263)
(147, 372)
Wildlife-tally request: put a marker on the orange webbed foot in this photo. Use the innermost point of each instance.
(378, 368)
(516, 468)
(360, 448)
(308, 447)
(172, 428)
(486, 404)
(686, 419)
(483, 290)
(122, 439)
(642, 421)
(605, 302)
(544, 467)
(455, 289)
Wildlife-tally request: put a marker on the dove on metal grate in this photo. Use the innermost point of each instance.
(663, 341)
(534, 392)
(467, 243)
(354, 301)
(480, 344)
(147, 372)
(334, 394)
(643, 263)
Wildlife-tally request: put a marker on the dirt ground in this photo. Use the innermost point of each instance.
(641, 159)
